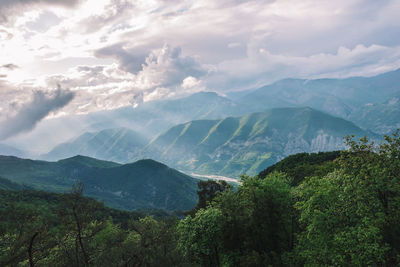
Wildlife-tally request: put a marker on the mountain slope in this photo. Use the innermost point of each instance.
(6, 184)
(117, 144)
(345, 98)
(10, 151)
(143, 184)
(381, 117)
(248, 144)
(148, 119)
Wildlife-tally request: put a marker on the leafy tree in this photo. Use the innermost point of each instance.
(158, 242)
(208, 190)
(201, 237)
(79, 227)
(350, 217)
(258, 221)
(302, 165)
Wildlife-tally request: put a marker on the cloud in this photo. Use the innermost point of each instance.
(11, 8)
(112, 13)
(212, 45)
(167, 67)
(129, 61)
(9, 66)
(25, 116)
(165, 72)
(263, 67)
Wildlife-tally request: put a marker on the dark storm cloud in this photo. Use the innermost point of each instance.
(29, 114)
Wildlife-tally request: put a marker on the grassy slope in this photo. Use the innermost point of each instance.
(248, 144)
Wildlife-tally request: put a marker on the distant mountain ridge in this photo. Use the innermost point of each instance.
(11, 151)
(118, 144)
(142, 184)
(148, 119)
(346, 98)
(248, 144)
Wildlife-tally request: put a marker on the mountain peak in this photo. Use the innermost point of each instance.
(88, 161)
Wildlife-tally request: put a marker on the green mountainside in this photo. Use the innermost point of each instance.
(358, 99)
(248, 144)
(6, 184)
(143, 184)
(117, 144)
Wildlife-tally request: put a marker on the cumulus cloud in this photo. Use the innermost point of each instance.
(24, 117)
(165, 72)
(167, 67)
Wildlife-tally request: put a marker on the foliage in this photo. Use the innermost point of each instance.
(343, 210)
(302, 165)
(207, 192)
(350, 216)
(47, 229)
(201, 237)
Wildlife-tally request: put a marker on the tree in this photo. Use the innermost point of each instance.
(25, 231)
(200, 237)
(350, 217)
(208, 190)
(258, 221)
(80, 224)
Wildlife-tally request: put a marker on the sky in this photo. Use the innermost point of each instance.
(60, 57)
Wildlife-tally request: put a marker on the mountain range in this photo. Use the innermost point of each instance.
(345, 98)
(148, 119)
(142, 184)
(203, 133)
(250, 143)
(231, 146)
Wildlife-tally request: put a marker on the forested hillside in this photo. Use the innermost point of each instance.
(336, 209)
(142, 184)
